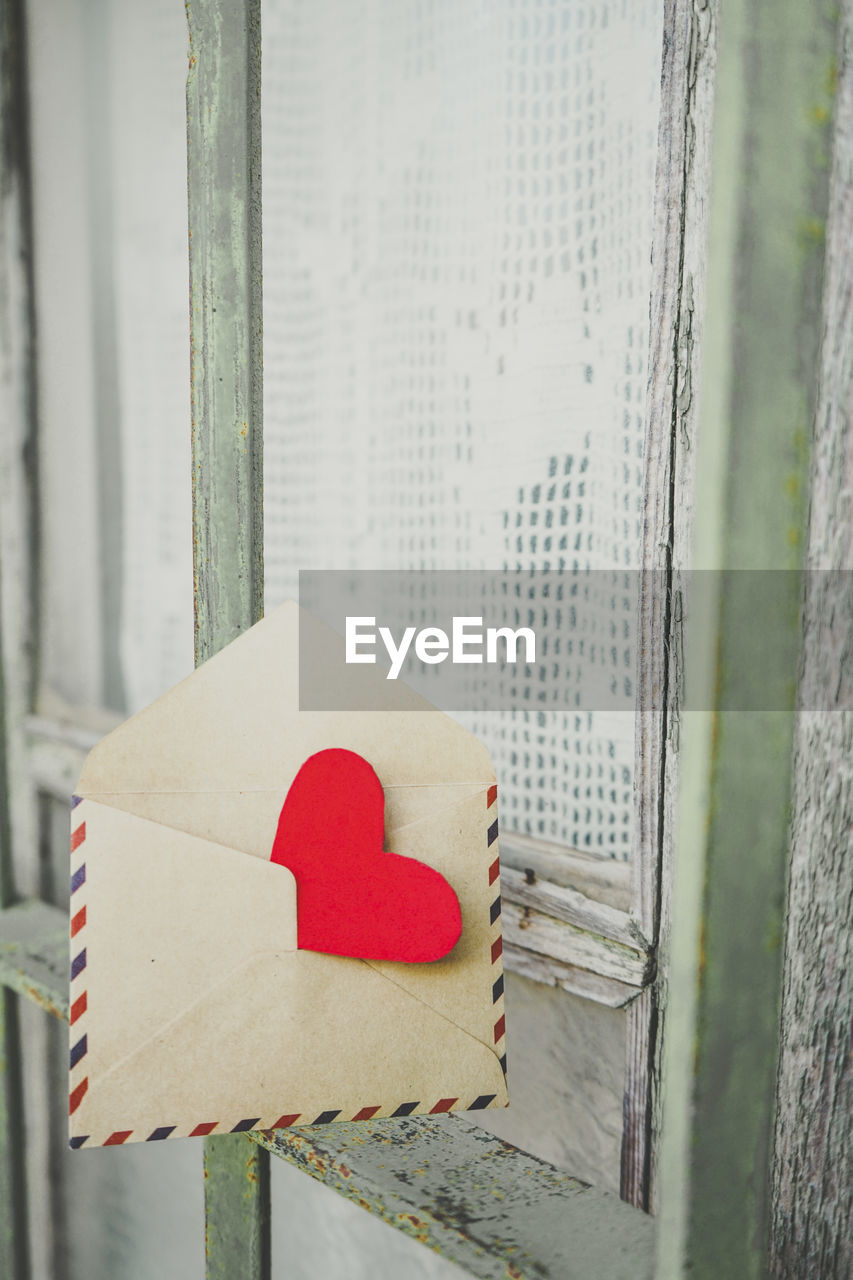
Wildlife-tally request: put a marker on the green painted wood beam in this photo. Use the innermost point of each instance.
(768, 199)
(224, 186)
(14, 242)
(237, 1208)
(34, 964)
(224, 175)
(495, 1211)
(34, 954)
(13, 1220)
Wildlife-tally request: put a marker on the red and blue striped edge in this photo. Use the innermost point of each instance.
(79, 1007)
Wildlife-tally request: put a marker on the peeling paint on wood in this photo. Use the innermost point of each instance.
(237, 1209)
(474, 1199)
(34, 954)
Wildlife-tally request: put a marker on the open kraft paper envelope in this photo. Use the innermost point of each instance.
(193, 1011)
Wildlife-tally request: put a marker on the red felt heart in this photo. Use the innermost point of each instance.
(352, 899)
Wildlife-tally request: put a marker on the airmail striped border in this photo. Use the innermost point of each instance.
(440, 1107)
(79, 1007)
(496, 936)
(79, 1002)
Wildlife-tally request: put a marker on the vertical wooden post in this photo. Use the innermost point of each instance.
(223, 139)
(224, 177)
(13, 1217)
(17, 607)
(813, 1166)
(676, 339)
(765, 261)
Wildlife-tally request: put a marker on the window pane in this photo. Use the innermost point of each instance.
(457, 232)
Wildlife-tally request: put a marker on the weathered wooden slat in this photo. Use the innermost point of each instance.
(765, 263)
(34, 954)
(224, 186)
(600, 879)
(572, 907)
(677, 306)
(474, 1199)
(550, 936)
(611, 992)
(813, 1164)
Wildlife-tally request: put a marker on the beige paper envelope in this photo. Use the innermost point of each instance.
(192, 1009)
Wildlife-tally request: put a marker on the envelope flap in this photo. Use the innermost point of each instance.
(165, 916)
(234, 725)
